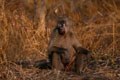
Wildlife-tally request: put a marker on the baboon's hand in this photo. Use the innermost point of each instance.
(81, 50)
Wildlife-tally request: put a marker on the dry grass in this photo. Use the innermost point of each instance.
(97, 26)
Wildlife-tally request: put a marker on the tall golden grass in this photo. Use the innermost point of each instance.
(99, 33)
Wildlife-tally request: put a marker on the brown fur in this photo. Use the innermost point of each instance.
(69, 42)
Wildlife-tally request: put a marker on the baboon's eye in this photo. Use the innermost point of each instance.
(64, 24)
(60, 25)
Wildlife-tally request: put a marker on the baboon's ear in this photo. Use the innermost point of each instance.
(81, 50)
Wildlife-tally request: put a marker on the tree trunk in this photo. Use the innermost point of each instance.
(40, 12)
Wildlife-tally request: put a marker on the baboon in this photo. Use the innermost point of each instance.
(64, 50)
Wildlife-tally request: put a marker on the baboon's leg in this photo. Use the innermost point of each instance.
(80, 63)
(56, 62)
(65, 59)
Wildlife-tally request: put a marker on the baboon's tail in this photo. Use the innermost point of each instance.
(42, 64)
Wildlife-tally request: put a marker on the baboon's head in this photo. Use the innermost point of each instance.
(61, 27)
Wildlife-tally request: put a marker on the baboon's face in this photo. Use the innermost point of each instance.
(61, 26)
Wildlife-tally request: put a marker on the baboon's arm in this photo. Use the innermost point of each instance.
(78, 47)
(75, 43)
